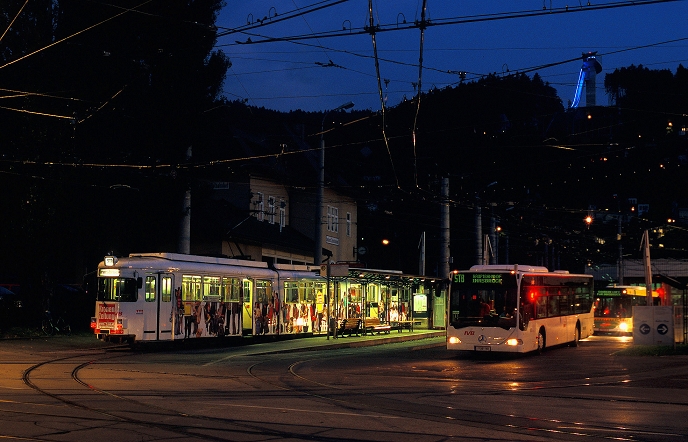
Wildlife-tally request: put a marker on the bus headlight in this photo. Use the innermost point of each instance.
(623, 326)
(454, 340)
(514, 341)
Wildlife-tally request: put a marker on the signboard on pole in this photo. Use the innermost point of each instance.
(653, 325)
(335, 269)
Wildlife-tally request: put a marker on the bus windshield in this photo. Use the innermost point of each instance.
(482, 299)
(117, 289)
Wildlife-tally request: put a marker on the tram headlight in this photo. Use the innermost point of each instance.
(514, 341)
(454, 340)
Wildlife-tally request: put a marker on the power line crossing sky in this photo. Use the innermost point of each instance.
(315, 55)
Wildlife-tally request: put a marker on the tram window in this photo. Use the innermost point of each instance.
(117, 289)
(247, 290)
(166, 290)
(231, 289)
(291, 292)
(310, 292)
(211, 287)
(191, 288)
(263, 291)
(150, 288)
(372, 293)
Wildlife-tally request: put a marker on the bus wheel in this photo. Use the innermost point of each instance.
(541, 340)
(576, 336)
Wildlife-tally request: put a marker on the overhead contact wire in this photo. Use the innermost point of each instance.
(75, 34)
(422, 27)
(371, 29)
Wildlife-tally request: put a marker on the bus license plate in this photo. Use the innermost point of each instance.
(483, 348)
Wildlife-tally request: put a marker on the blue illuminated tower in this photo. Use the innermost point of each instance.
(591, 67)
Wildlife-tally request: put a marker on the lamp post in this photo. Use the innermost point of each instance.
(318, 252)
(317, 255)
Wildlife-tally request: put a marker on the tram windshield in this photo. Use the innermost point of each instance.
(117, 289)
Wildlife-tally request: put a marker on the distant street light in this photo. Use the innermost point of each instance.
(321, 187)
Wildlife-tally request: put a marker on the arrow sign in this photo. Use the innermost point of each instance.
(662, 329)
(644, 329)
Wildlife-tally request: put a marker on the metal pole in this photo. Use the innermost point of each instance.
(329, 305)
(648, 269)
(317, 253)
(620, 264)
(445, 252)
(478, 233)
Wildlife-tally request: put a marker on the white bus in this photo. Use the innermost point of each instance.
(518, 309)
(167, 296)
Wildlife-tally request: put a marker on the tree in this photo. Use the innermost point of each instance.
(95, 86)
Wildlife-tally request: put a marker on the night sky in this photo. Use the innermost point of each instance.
(330, 60)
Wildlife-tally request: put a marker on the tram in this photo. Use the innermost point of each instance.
(614, 308)
(168, 296)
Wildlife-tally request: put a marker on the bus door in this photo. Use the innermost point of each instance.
(158, 307)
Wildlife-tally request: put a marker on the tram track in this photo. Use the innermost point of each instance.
(189, 430)
(318, 394)
(192, 426)
(465, 416)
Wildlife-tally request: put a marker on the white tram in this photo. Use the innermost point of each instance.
(167, 296)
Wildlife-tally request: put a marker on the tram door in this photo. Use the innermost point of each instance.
(158, 307)
(166, 306)
(247, 310)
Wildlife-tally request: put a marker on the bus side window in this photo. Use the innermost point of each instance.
(553, 305)
(541, 307)
(526, 315)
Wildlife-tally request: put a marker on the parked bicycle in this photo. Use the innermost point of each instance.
(53, 325)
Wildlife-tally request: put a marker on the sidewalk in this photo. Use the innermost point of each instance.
(252, 345)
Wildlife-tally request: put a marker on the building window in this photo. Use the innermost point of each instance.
(332, 219)
(348, 223)
(271, 209)
(258, 206)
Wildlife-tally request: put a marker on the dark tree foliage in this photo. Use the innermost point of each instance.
(101, 102)
(648, 98)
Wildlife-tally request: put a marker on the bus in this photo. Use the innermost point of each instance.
(168, 296)
(614, 308)
(517, 308)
